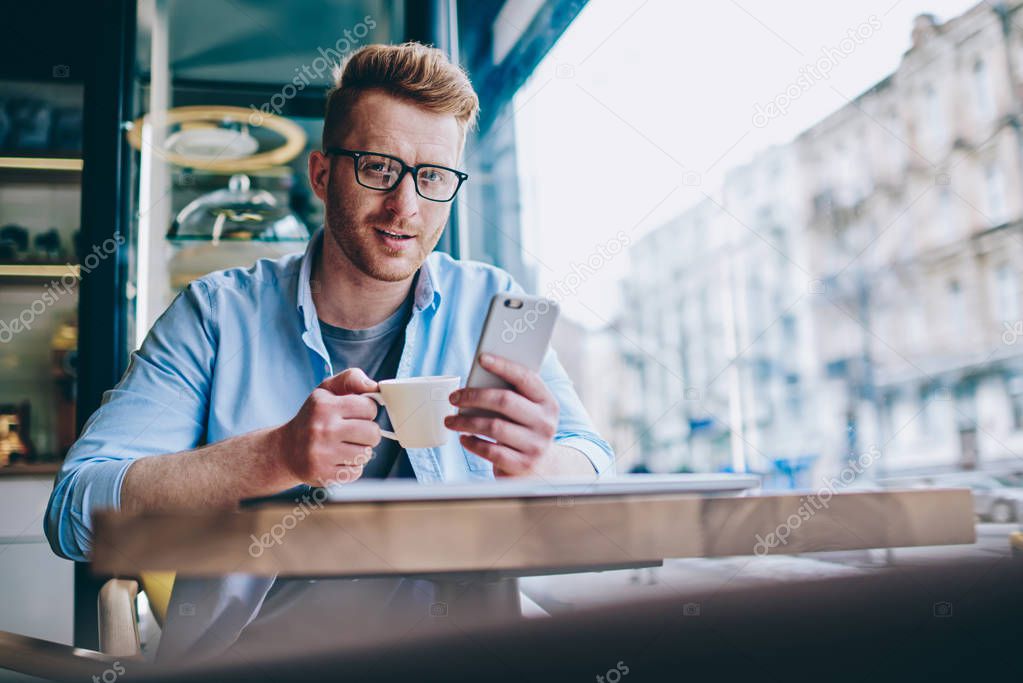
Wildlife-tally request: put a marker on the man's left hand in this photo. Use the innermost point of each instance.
(523, 420)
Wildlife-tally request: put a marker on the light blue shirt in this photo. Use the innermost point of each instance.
(241, 350)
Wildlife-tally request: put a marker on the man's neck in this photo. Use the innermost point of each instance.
(348, 298)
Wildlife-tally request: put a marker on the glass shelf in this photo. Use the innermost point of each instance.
(26, 273)
(45, 170)
(38, 270)
(41, 163)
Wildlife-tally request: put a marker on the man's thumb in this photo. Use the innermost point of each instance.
(350, 381)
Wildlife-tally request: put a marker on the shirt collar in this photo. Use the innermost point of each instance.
(427, 287)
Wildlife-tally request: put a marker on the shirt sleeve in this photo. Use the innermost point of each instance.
(159, 406)
(575, 429)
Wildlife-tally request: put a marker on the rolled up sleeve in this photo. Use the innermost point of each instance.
(158, 407)
(574, 427)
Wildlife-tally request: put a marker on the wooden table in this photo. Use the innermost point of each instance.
(489, 540)
(520, 537)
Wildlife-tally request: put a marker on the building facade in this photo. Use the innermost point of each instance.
(914, 233)
(855, 289)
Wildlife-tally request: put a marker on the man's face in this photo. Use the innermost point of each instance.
(358, 217)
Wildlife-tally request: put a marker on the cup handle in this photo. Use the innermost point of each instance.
(375, 395)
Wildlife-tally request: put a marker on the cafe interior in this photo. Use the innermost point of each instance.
(146, 145)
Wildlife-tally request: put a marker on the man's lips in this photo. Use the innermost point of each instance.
(394, 234)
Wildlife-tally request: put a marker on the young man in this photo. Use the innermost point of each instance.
(250, 383)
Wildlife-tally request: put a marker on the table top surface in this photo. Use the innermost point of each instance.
(521, 535)
(642, 484)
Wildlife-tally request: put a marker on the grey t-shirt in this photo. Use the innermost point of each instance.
(377, 351)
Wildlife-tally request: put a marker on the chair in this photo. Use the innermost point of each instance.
(119, 637)
(118, 611)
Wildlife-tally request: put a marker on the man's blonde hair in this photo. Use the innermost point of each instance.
(411, 71)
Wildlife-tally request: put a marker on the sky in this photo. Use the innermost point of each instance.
(642, 106)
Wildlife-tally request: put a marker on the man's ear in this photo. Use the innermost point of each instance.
(319, 173)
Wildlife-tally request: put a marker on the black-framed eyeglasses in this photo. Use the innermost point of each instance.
(384, 172)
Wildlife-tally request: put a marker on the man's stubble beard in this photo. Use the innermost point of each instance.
(359, 246)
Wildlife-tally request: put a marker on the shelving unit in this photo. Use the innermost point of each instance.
(32, 274)
(47, 170)
(39, 190)
(31, 163)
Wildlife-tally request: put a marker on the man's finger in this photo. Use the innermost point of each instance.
(356, 407)
(350, 381)
(352, 455)
(361, 431)
(504, 402)
(503, 432)
(343, 474)
(507, 462)
(525, 381)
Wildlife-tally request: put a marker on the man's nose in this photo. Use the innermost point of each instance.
(402, 201)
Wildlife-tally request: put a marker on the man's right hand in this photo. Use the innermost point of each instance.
(332, 436)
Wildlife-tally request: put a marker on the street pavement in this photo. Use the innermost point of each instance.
(681, 578)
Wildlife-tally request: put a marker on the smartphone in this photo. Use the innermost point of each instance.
(518, 327)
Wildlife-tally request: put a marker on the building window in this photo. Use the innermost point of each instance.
(1006, 294)
(956, 308)
(982, 91)
(794, 396)
(916, 325)
(1014, 388)
(897, 152)
(934, 116)
(925, 418)
(994, 184)
(946, 215)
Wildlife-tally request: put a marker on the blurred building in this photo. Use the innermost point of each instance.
(594, 363)
(773, 290)
(914, 233)
(717, 329)
(857, 288)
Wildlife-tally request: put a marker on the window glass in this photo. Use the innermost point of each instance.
(787, 256)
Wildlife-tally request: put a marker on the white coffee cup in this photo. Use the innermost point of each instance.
(417, 407)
